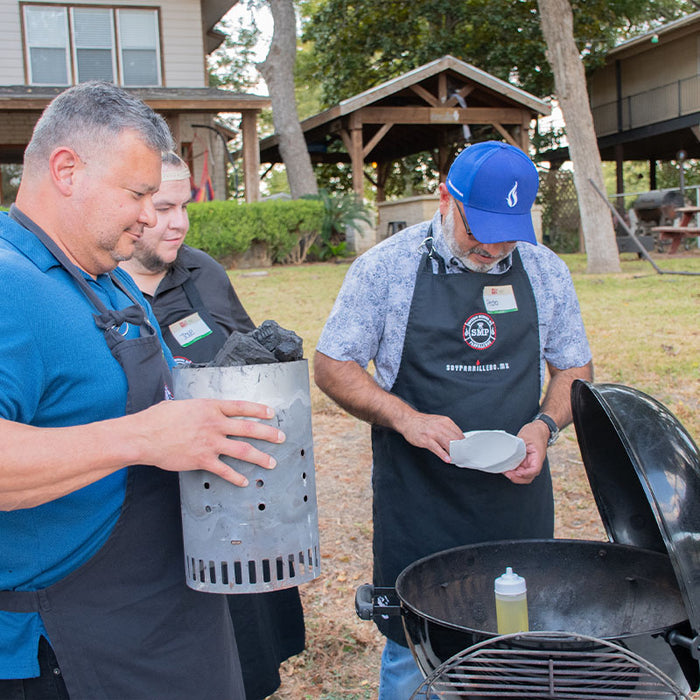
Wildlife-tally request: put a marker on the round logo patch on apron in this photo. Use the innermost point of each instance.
(479, 331)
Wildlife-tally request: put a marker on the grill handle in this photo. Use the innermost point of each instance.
(674, 637)
(372, 602)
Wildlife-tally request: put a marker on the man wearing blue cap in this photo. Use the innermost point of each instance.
(461, 316)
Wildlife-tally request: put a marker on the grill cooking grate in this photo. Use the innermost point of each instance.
(603, 671)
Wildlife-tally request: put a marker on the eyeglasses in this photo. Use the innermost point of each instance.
(464, 220)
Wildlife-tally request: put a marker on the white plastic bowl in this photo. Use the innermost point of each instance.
(493, 451)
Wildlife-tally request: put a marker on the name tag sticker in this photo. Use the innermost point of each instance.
(500, 300)
(189, 330)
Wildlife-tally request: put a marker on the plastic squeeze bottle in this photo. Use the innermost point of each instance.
(511, 603)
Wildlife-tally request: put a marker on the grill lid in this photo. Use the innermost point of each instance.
(644, 471)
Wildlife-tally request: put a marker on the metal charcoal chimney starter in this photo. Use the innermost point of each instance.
(263, 537)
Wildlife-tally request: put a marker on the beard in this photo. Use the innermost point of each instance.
(462, 254)
(151, 260)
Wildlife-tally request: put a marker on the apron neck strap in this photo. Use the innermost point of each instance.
(432, 254)
(71, 268)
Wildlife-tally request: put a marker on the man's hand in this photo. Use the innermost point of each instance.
(43, 464)
(535, 436)
(352, 388)
(430, 432)
(557, 404)
(192, 434)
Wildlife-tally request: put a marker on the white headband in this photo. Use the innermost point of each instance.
(175, 172)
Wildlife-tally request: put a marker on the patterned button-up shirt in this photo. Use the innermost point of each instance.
(369, 318)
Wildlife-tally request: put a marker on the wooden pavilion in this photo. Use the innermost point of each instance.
(436, 107)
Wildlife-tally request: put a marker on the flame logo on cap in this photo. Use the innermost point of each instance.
(512, 197)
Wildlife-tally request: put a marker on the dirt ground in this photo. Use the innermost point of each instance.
(342, 654)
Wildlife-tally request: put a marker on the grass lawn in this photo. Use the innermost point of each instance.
(643, 327)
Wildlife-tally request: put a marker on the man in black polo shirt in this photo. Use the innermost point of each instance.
(189, 291)
(197, 309)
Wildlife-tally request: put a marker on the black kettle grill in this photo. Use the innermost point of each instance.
(616, 619)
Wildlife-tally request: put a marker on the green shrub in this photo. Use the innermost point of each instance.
(287, 227)
(341, 211)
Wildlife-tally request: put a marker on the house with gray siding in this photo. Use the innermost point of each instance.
(157, 50)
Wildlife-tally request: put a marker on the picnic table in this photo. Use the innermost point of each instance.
(687, 228)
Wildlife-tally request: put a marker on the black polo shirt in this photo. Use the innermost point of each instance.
(170, 303)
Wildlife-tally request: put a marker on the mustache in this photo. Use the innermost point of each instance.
(476, 250)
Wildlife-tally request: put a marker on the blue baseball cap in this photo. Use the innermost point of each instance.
(497, 183)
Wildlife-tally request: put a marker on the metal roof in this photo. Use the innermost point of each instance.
(434, 68)
(683, 25)
(419, 121)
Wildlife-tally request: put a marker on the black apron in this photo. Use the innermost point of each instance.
(204, 349)
(269, 627)
(482, 370)
(124, 626)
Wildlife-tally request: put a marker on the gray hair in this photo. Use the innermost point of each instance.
(170, 159)
(88, 114)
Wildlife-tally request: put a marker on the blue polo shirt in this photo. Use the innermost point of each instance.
(55, 370)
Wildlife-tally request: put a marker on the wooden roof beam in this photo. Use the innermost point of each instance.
(525, 133)
(440, 115)
(347, 141)
(506, 134)
(442, 87)
(462, 92)
(376, 139)
(426, 95)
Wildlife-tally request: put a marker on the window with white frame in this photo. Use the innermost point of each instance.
(67, 44)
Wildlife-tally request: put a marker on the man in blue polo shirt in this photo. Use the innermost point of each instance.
(93, 602)
(461, 316)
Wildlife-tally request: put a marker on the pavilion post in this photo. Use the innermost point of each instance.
(356, 157)
(251, 156)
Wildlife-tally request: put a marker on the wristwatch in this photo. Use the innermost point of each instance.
(553, 427)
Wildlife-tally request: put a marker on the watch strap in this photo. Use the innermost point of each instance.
(551, 424)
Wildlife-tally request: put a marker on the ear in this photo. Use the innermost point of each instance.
(63, 166)
(445, 198)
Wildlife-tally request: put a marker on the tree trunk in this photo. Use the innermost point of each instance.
(570, 85)
(278, 71)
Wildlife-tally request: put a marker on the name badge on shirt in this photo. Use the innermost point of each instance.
(500, 300)
(189, 330)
